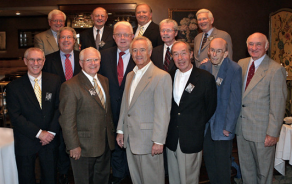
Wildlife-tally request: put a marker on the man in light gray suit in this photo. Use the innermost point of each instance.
(202, 41)
(145, 115)
(264, 94)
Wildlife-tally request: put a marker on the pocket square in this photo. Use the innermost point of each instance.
(190, 88)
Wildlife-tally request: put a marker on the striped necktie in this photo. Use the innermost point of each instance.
(99, 92)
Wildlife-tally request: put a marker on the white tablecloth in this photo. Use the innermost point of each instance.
(8, 169)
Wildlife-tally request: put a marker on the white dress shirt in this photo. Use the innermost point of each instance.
(95, 32)
(180, 81)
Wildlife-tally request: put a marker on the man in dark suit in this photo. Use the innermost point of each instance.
(116, 64)
(161, 56)
(146, 27)
(86, 121)
(32, 103)
(193, 104)
(220, 130)
(58, 63)
(99, 36)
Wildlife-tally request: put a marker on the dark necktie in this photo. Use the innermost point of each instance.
(204, 40)
(120, 68)
(68, 67)
(97, 40)
(166, 60)
(250, 74)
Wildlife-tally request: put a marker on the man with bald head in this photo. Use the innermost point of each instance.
(264, 94)
(220, 129)
(99, 36)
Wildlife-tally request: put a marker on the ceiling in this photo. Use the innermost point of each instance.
(26, 11)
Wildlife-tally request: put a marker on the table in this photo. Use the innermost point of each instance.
(8, 169)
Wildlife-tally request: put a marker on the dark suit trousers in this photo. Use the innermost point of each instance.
(63, 157)
(119, 162)
(217, 157)
(92, 170)
(48, 162)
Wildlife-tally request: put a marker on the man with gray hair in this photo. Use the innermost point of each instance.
(161, 56)
(202, 41)
(48, 40)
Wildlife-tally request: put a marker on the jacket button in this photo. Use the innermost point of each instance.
(128, 115)
(178, 114)
(243, 105)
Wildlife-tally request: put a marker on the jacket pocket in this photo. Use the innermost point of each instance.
(84, 134)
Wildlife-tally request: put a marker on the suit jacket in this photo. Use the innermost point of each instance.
(27, 117)
(216, 33)
(157, 58)
(108, 68)
(263, 101)
(53, 65)
(228, 99)
(152, 33)
(46, 41)
(87, 39)
(83, 119)
(145, 119)
(188, 120)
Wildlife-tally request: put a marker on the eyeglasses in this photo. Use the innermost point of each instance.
(56, 21)
(219, 51)
(32, 60)
(90, 60)
(125, 35)
(166, 30)
(68, 37)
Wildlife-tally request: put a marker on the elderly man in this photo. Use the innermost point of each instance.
(193, 104)
(146, 27)
(201, 43)
(161, 56)
(32, 103)
(116, 64)
(86, 121)
(48, 40)
(264, 94)
(144, 116)
(99, 36)
(220, 130)
(65, 64)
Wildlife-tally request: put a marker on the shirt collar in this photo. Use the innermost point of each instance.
(31, 78)
(126, 51)
(258, 61)
(210, 31)
(63, 54)
(142, 69)
(145, 26)
(185, 73)
(89, 76)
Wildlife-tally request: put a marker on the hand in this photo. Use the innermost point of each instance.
(120, 140)
(75, 153)
(156, 149)
(46, 137)
(205, 60)
(270, 141)
(226, 133)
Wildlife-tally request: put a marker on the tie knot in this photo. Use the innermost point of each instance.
(142, 27)
(35, 80)
(121, 54)
(206, 34)
(97, 31)
(167, 49)
(67, 56)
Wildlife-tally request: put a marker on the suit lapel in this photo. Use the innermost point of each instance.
(51, 40)
(128, 87)
(213, 34)
(105, 34)
(45, 89)
(105, 89)
(57, 62)
(148, 30)
(77, 67)
(130, 67)
(91, 37)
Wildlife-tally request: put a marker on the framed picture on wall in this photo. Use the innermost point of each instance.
(2, 40)
(187, 22)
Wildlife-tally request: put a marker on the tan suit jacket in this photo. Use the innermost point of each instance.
(146, 119)
(263, 102)
(83, 119)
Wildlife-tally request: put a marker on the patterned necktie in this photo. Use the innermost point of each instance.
(120, 68)
(99, 92)
(141, 31)
(250, 74)
(38, 91)
(166, 60)
(204, 40)
(97, 40)
(68, 67)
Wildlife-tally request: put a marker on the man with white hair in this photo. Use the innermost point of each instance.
(202, 41)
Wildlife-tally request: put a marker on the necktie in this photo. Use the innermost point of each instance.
(250, 74)
(97, 40)
(166, 60)
(99, 92)
(204, 40)
(141, 31)
(120, 68)
(68, 67)
(38, 91)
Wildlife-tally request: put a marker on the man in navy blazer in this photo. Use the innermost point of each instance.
(220, 130)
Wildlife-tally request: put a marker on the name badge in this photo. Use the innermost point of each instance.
(48, 97)
(190, 88)
(219, 81)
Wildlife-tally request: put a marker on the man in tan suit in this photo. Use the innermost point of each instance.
(264, 94)
(86, 121)
(144, 116)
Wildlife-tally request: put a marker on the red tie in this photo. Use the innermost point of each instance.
(68, 68)
(166, 60)
(250, 74)
(120, 68)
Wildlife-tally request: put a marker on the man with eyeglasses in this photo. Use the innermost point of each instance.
(201, 43)
(161, 55)
(48, 40)
(65, 64)
(115, 65)
(99, 36)
(32, 103)
(86, 121)
(220, 129)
